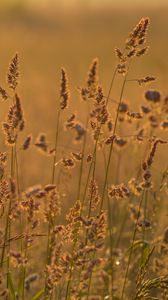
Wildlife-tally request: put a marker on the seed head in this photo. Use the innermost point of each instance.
(153, 96)
(64, 90)
(3, 94)
(13, 72)
(92, 80)
(27, 142)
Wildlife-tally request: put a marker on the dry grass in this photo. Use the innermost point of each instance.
(72, 40)
(95, 227)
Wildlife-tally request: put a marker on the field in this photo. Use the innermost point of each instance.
(83, 157)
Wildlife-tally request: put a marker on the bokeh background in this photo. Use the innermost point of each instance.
(49, 34)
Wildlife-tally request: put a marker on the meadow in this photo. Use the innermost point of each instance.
(83, 158)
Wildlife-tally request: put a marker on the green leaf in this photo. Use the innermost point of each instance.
(38, 295)
(145, 254)
(21, 281)
(11, 286)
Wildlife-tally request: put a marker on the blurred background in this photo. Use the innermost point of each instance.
(49, 34)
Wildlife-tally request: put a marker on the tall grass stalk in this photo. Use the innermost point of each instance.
(55, 146)
(145, 209)
(83, 157)
(89, 214)
(110, 152)
(106, 173)
(132, 244)
(49, 248)
(110, 228)
(89, 174)
(21, 288)
(137, 177)
(8, 223)
(7, 219)
(111, 146)
(111, 245)
(95, 148)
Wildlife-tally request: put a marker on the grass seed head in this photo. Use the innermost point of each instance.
(13, 73)
(64, 90)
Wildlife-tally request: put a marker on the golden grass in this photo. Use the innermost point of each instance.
(83, 197)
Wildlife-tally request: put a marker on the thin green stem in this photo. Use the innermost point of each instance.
(23, 269)
(24, 274)
(93, 177)
(82, 160)
(145, 216)
(8, 225)
(131, 248)
(55, 146)
(126, 212)
(110, 226)
(7, 217)
(109, 157)
(107, 100)
(89, 172)
(88, 176)
(49, 247)
(111, 146)
(91, 196)
(48, 257)
(17, 170)
(111, 86)
(67, 294)
(111, 246)
(89, 214)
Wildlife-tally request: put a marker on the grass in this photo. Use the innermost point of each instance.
(90, 223)
(69, 36)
